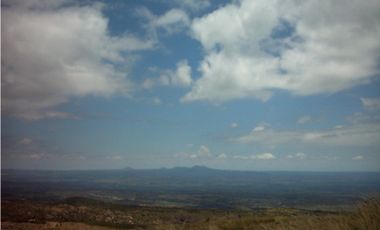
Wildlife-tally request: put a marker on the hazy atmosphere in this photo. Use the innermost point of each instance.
(245, 85)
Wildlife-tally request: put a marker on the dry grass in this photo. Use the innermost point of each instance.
(367, 217)
(51, 226)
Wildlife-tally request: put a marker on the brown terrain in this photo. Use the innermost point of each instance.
(78, 213)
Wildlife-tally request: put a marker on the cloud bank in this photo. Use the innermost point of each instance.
(304, 47)
(367, 134)
(52, 53)
(261, 156)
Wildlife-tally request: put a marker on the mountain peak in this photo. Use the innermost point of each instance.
(197, 167)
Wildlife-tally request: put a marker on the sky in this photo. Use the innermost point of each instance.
(241, 84)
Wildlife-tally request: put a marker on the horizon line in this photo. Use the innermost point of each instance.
(191, 167)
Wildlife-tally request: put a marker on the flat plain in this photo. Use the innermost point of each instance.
(187, 198)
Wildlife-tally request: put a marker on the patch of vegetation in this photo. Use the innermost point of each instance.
(99, 213)
(366, 217)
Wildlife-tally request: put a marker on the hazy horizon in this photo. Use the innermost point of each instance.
(191, 168)
(235, 85)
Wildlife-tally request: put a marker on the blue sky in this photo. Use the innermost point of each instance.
(246, 85)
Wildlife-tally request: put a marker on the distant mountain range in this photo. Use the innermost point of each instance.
(198, 186)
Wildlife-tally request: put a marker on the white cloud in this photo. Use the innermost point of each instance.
(180, 77)
(358, 118)
(367, 134)
(234, 125)
(157, 101)
(149, 83)
(49, 114)
(172, 21)
(261, 156)
(251, 49)
(359, 157)
(354, 135)
(222, 156)
(52, 53)
(364, 133)
(266, 135)
(259, 128)
(300, 156)
(204, 151)
(265, 156)
(371, 103)
(304, 120)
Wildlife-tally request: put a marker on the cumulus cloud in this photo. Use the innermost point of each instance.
(172, 21)
(261, 156)
(180, 77)
(303, 47)
(366, 134)
(53, 52)
(202, 153)
(371, 103)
